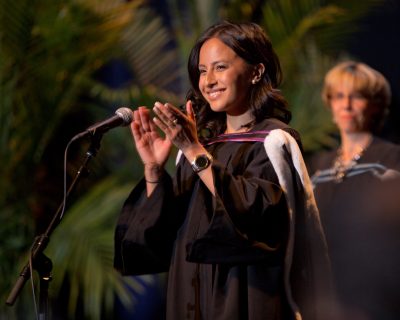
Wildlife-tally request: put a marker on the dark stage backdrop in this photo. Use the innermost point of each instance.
(378, 44)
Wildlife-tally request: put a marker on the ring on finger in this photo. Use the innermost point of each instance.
(175, 121)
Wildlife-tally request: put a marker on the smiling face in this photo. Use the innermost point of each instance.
(351, 111)
(225, 78)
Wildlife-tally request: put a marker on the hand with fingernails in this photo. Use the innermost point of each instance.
(178, 127)
(153, 149)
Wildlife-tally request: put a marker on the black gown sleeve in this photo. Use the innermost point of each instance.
(146, 229)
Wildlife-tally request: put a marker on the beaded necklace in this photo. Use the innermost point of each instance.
(341, 168)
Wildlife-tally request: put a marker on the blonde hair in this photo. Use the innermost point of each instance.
(361, 78)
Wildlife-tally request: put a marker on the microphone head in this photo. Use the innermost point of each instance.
(125, 114)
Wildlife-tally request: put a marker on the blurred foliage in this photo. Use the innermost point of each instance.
(52, 60)
(85, 259)
(310, 37)
(64, 64)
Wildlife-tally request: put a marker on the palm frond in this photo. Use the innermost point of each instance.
(150, 51)
(49, 52)
(310, 116)
(82, 250)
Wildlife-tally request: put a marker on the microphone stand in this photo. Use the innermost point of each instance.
(40, 262)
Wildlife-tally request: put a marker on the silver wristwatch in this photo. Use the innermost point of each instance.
(201, 162)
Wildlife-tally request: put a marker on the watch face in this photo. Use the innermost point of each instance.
(202, 161)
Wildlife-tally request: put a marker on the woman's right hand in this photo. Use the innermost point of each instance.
(152, 148)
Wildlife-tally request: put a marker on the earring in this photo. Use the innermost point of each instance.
(254, 81)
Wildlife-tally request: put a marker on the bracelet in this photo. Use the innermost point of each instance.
(155, 181)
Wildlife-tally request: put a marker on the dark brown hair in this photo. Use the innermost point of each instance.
(248, 41)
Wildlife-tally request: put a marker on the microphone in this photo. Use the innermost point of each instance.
(123, 117)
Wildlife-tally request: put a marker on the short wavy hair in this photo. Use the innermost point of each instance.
(363, 79)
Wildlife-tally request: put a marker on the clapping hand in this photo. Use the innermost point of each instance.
(178, 127)
(152, 148)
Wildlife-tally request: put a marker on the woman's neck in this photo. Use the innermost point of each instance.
(354, 144)
(240, 123)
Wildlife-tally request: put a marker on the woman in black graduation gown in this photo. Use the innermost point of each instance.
(357, 188)
(237, 244)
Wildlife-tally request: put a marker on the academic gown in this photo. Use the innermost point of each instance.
(224, 254)
(361, 219)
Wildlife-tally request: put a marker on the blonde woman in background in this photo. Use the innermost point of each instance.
(357, 189)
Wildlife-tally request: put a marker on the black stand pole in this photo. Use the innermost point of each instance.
(39, 261)
(44, 272)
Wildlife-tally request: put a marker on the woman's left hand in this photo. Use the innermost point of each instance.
(180, 128)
